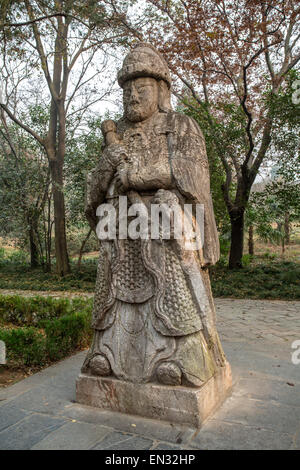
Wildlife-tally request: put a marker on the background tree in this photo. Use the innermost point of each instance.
(24, 191)
(230, 52)
(278, 198)
(58, 41)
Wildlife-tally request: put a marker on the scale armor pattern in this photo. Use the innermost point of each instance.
(101, 288)
(178, 304)
(132, 275)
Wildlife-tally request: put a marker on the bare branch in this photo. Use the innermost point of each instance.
(41, 51)
(21, 124)
(42, 18)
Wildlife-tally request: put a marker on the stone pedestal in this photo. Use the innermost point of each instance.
(181, 405)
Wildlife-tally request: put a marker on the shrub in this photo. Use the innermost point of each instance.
(30, 311)
(65, 334)
(24, 346)
(61, 327)
(275, 280)
(246, 260)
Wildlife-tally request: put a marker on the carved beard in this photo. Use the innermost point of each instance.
(138, 112)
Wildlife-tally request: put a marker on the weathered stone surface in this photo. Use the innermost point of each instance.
(122, 441)
(153, 315)
(10, 415)
(26, 433)
(181, 405)
(73, 436)
(2, 352)
(271, 422)
(220, 435)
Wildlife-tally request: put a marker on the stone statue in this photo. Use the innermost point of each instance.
(153, 316)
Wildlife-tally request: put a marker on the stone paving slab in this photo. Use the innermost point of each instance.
(24, 434)
(262, 413)
(220, 435)
(122, 441)
(74, 436)
(150, 428)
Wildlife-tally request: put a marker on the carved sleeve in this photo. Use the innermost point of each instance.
(98, 181)
(97, 184)
(155, 177)
(190, 170)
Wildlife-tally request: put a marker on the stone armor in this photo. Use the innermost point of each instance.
(153, 315)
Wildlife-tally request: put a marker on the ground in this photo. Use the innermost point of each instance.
(263, 411)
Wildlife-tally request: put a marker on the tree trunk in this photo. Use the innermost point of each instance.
(82, 248)
(61, 253)
(287, 228)
(57, 146)
(250, 240)
(48, 238)
(237, 238)
(34, 251)
(282, 247)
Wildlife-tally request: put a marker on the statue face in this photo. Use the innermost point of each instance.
(140, 98)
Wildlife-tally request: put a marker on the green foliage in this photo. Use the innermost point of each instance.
(269, 255)
(65, 334)
(56, 334)
(15, 258)
(217, 174)
(2, 256)
(75, 236)
(24, 184)
(277, 199)
(224, 239)
(25, 278)
(31, 311)
(268, 280)
(246, 260)
(24, 346)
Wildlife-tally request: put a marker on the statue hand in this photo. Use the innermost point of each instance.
(122, 182)
(163, 196)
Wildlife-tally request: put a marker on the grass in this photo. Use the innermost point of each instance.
(14, 276)
(267, 279)
(265, 276)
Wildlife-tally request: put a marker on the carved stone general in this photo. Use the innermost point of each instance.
(156, 350)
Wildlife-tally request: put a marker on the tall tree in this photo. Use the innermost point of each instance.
(61, 39)
(232, 52)
(24, 188)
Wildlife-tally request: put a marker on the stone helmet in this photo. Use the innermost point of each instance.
(145, 61)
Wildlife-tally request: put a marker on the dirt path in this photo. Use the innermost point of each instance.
(55, 294)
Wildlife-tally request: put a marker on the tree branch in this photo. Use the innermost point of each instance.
(21, 124)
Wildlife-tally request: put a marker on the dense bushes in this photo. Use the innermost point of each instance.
(24, 346)
(66, 334)
(277, 280)
(29, 311)
(54, 328)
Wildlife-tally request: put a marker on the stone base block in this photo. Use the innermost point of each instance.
(181, 405)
